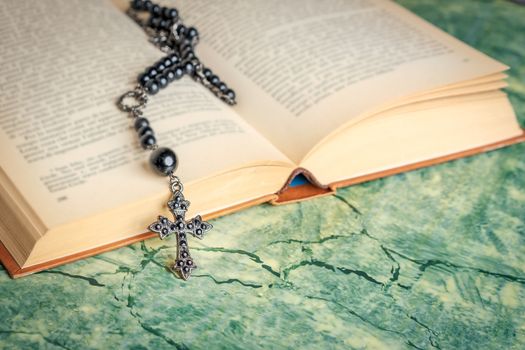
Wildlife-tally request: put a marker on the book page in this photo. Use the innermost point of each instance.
(304, 68)
(64, 144)
(421, 131)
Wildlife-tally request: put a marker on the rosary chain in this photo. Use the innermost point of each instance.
(175, 183)
(171, 41)
(165, 29)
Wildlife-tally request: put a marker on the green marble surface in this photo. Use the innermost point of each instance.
(433, 258)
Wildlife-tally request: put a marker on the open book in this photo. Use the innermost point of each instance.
(340, 91)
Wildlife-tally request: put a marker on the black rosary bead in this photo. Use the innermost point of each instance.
(181, 30)
(217, 83)
(147, 5)
(159, 66)
(207, 72)
(169, 75)
(152, 87)
(192, 33)
(174, 58)
(214, 80)
(146, 130)
(152, 72)
(156, 10)
(231, 94)
(163, 160)
(178, 72)
(147, 141)
(170, 13)
(189, 68)
(223, 87)
(165, 24)
(140, 122)
(143, 79)
(154, 22)
(166, 61)
(162, 81)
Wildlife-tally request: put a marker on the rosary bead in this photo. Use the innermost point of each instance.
(223, 87)
(147, 141)
(147, 130)
(152, 87)
(162, 80)
(156, 10)
(170, 13)
(214, 80)
(148, 5)
(174, 58)
(169, 75)
(143, 79)
(152, 72)
(207, 72)
(154, 22)
(181, 29)
(159, 66)
(140, 122)
(178, 72)
(192, 33)
(231, 94)
(189, 68)
(163, 160)
(166, 61)
(165, 24)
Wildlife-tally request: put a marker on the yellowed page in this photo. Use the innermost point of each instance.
(303, 68)
(63, 143)
(414, 133)
(441, 95)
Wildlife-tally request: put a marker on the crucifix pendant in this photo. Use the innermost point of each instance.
(196, 227)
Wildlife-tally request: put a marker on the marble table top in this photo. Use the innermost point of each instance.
(433, 258)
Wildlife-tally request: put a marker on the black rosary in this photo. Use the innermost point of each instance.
(166, 31)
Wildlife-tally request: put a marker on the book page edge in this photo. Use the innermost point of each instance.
(429, 162)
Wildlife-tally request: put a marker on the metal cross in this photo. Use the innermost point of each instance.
(196, 227)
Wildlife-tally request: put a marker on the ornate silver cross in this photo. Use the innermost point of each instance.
(196, 227)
